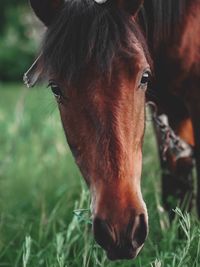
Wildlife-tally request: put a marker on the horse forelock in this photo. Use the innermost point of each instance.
(87, 34)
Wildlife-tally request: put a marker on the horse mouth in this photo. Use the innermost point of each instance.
(123, 255)
(112, 256)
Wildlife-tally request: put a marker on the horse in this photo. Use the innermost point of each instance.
(99, 58)
(174, 42)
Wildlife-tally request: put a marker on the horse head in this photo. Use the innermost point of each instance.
(98, 66)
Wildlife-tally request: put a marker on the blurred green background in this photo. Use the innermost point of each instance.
(20, 33)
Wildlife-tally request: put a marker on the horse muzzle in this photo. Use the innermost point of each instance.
(121, 242)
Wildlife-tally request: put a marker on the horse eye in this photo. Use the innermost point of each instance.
(145, 79)
(55, 90)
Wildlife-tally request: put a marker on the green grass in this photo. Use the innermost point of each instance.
(44, 216)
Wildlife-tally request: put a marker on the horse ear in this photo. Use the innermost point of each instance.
(132, 6)
(46, 10)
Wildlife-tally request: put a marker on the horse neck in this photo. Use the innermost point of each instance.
(189, 42)
(163, 21)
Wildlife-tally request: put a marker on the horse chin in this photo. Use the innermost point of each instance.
(113, 256)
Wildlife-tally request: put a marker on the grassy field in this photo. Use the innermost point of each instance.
(44, 216)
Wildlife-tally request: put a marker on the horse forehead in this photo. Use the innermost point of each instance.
(95, 87)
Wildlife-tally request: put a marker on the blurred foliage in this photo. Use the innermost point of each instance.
(17, 48)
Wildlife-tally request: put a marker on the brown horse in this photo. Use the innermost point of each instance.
(96, 59)
(173, 30)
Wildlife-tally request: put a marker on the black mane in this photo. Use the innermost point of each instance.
(86, 33)
(161, 20)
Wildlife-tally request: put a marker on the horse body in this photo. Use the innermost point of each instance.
(175, 90)
(98, 64)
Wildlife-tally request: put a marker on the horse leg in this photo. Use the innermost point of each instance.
(195, 114)
(177, 180)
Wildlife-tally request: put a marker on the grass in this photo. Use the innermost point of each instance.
(44, 216)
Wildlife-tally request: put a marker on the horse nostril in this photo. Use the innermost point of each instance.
(103, 233)
(140, 230)
(124, 244)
